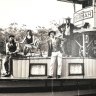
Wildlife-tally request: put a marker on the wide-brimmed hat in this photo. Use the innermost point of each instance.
(11, 36)
(51, 32)
(68, 18)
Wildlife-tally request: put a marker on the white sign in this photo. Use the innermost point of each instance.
(83, 15)
(76, 69)
(38, 70)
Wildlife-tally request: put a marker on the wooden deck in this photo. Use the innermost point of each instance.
(46, 85)
(21, 78)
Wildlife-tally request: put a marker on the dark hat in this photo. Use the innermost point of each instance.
(51, 32)
(11, 36)
(68, 18)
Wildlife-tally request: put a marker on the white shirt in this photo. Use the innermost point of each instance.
(67, 31)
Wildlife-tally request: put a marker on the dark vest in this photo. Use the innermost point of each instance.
(28, 41)
(12, 47)
(55, 48)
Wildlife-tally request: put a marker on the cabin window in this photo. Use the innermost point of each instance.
(38, 69)
(76, 69)
(87, 3)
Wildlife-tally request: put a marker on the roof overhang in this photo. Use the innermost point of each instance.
(73, 1)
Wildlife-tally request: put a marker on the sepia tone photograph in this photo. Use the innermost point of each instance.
(47, 48)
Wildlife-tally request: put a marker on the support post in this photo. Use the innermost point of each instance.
(84, 49)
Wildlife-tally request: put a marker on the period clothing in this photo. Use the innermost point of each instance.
(68, 34)
(55, 51)
(12, 48)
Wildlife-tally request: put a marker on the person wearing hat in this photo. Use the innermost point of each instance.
(51, 34)
(67, 31)
(55, 51)
(12, 48)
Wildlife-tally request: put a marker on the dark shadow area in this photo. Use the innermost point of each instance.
(45, 89)
(87, 95)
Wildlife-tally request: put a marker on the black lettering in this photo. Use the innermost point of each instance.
(90, 14)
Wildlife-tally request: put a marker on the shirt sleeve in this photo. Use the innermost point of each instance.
(7, 49)
(17, 44)
(75, 27)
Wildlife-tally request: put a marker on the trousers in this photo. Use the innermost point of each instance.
(8, 64)
(56, 56)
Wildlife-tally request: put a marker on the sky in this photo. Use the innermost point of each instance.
(33, 12)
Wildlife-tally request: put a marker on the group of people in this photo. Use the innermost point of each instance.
(12, 50)
(59, 44)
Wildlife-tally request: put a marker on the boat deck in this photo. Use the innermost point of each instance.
(45, 78)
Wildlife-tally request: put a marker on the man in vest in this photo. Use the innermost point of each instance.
(12, 49)
(67, 31)
(55, 51)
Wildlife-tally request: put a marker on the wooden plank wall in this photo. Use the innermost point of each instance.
(21, 67)
(90, 68)
(65, 71)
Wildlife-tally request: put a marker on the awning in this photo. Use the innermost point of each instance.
(73, 1)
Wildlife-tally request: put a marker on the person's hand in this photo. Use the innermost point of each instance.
(9, 53)
(13, 52)
(32, 43)
(21, 42)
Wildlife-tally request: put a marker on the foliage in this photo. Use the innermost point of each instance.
(43, 37)
(20, 32)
